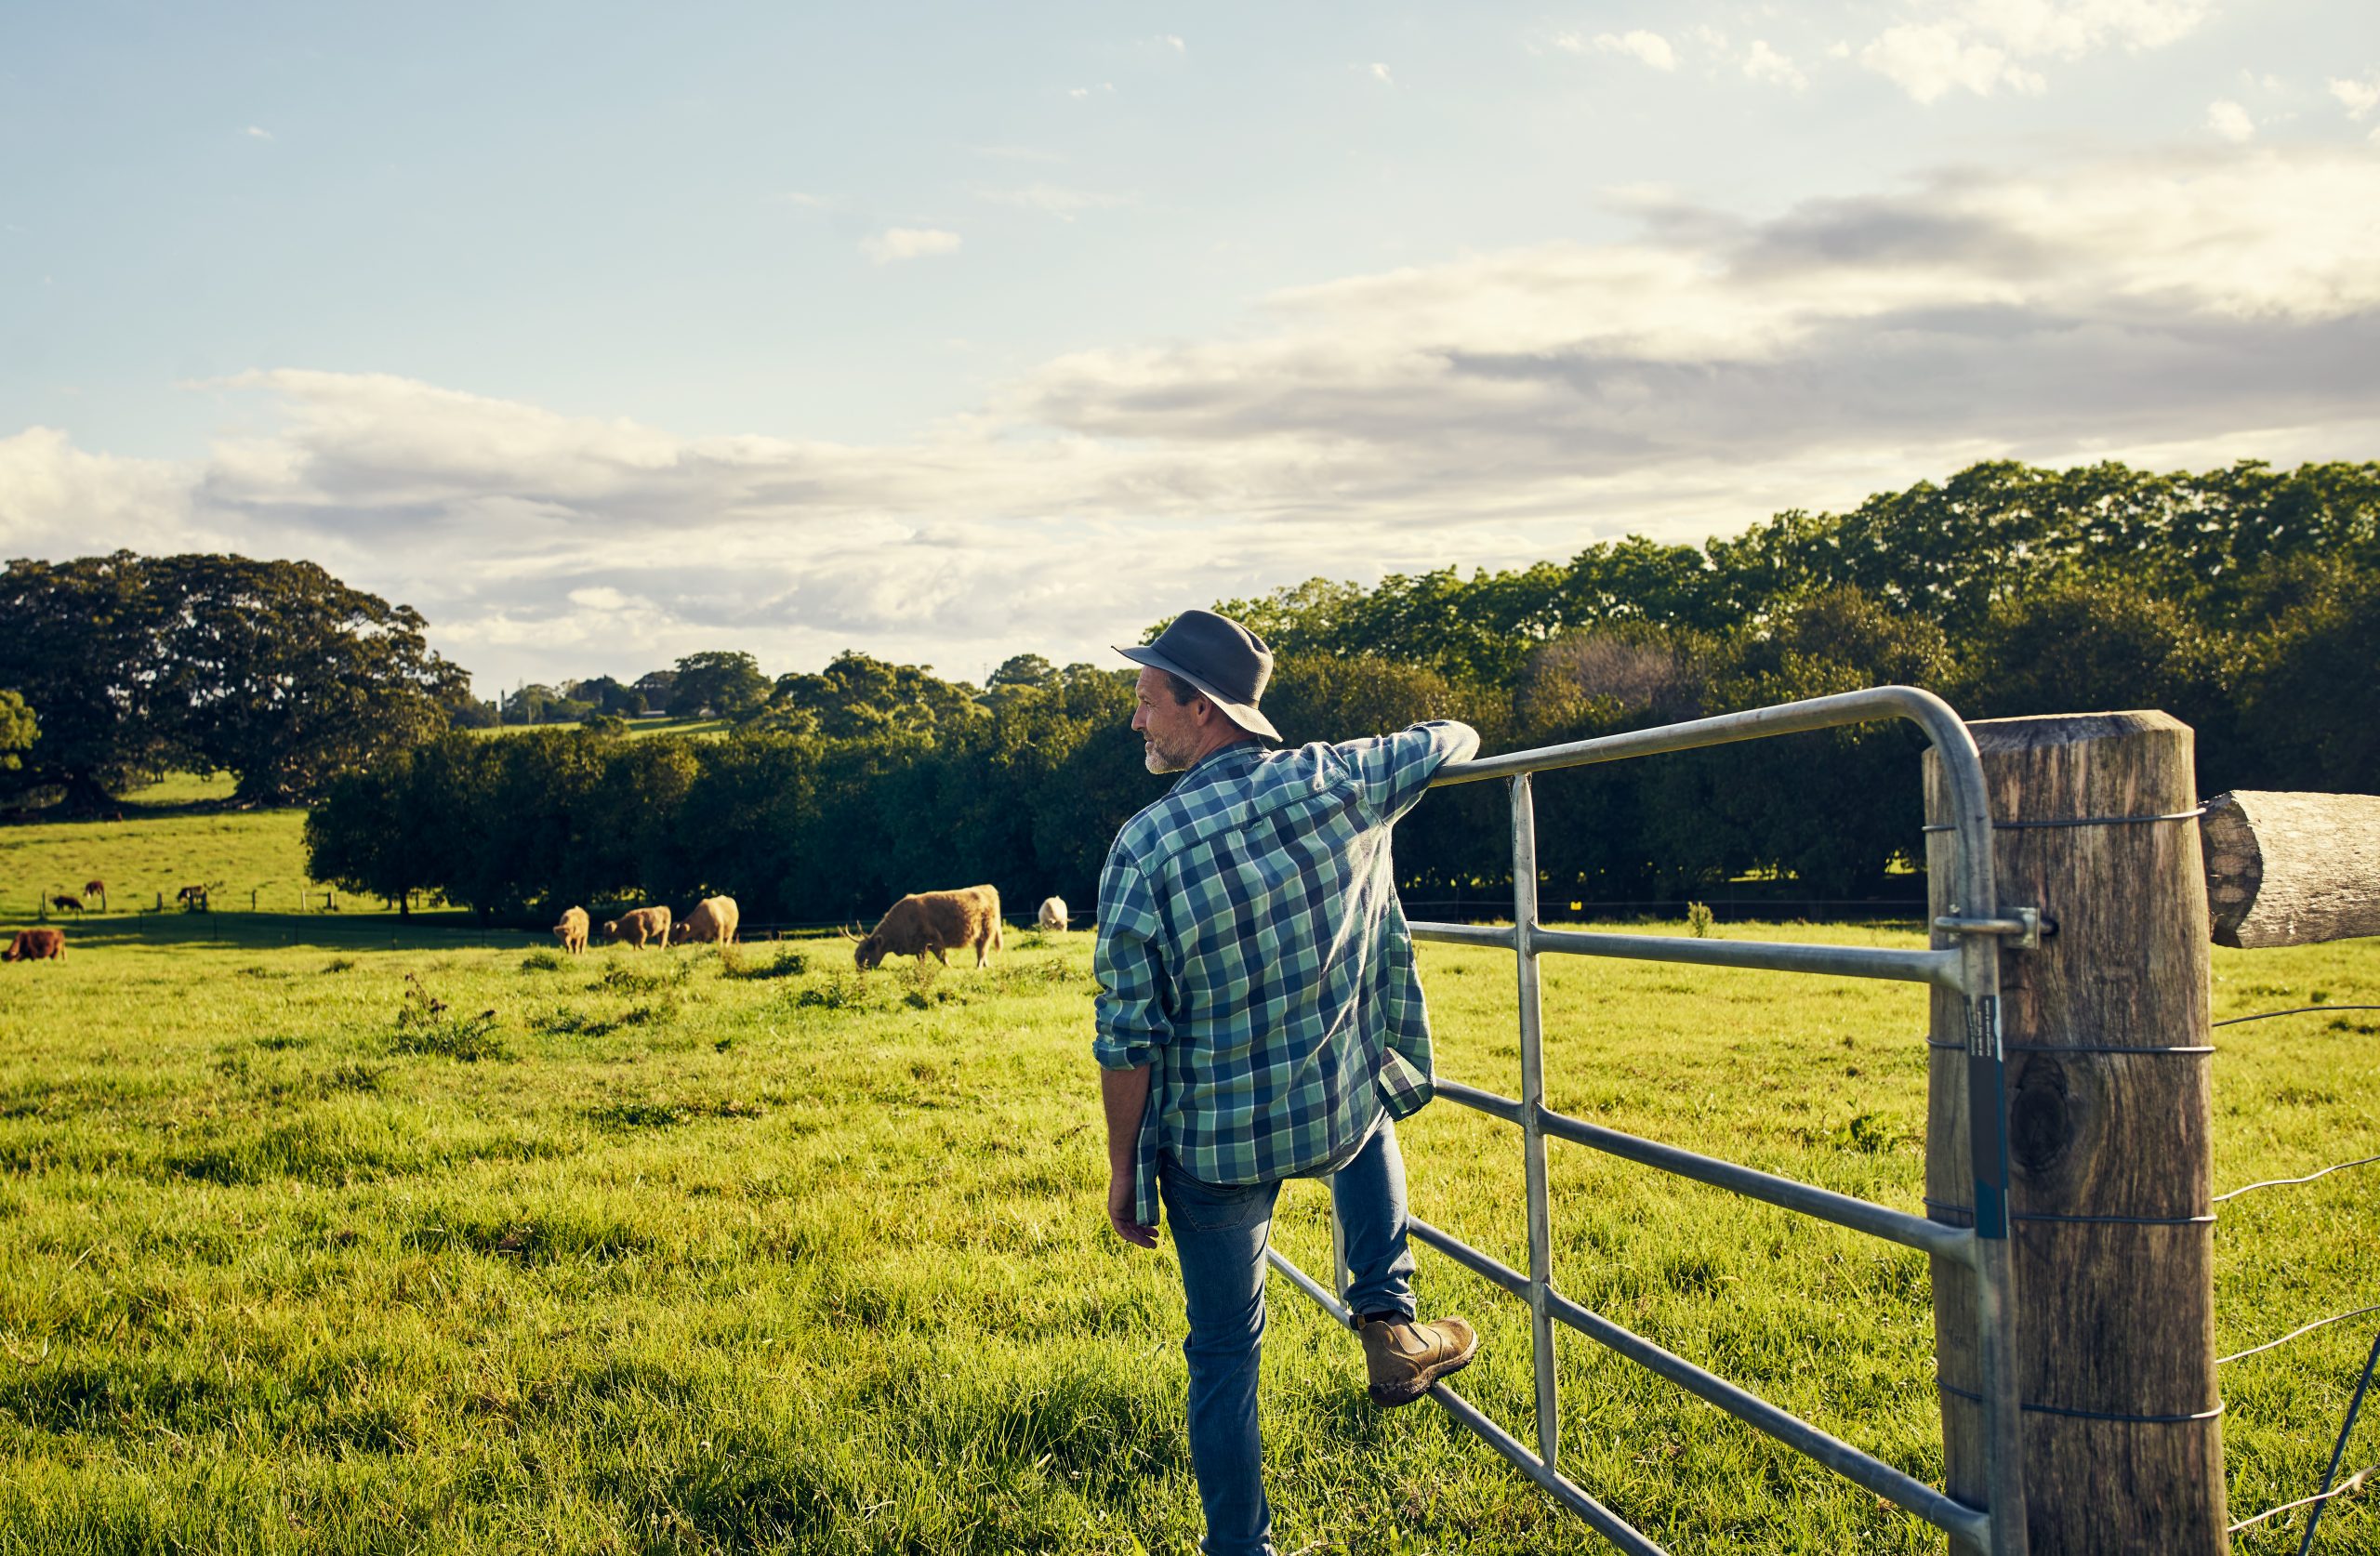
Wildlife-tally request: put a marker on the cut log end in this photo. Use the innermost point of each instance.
(2292, 869)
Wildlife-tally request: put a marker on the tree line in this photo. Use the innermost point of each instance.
(2245, 600)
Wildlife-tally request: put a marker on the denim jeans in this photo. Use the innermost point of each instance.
(1220, 1231)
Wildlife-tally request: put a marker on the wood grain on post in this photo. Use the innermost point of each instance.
(2293, 869)
(2108, 1151)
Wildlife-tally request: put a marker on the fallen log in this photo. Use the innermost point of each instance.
(2292, 869)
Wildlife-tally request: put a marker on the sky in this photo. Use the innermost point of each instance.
(603, 335)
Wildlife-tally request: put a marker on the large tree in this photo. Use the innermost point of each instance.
(730, 684)
(19, 729)
(273, 671)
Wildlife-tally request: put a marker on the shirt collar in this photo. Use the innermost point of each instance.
(1236, 748)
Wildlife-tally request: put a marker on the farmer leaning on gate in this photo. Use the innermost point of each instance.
(1260, 1019)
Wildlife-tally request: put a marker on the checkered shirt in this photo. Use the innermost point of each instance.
(1251, 953)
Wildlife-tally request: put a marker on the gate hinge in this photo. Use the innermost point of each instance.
(2024, 926)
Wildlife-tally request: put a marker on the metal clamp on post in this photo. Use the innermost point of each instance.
(2024, 926)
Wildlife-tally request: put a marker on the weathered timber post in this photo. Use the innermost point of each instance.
(2293, 869)
(2105, 1028)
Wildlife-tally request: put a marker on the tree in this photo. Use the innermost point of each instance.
(606, 696)
(656, 687)
(730, 684)
(84, 641)
(17, 730)
(857, 697)
(279, 673)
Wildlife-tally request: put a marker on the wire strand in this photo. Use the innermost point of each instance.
(2350, 1484)
(2284, 1182)
(2318, 1323)
(2301, 1010)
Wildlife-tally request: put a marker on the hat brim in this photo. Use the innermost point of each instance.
(1245, 715)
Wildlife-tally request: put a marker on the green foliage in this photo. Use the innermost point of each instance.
(1699, 920)
(728, 683)
(19, 729)
(272, 670)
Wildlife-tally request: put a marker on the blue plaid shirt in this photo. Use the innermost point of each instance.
(1253, 953)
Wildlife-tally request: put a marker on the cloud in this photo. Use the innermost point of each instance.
(1380, 73)
(896, 244)
(1701, 372)
(1167, 40)
(1079, 92)
(1764, 63)
(1981, 45)
(1051, 199)
(2231, 121)
(1650, 47)
(2358, 98)
(255, 133)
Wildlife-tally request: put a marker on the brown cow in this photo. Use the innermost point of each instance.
(192, 898)
(34, 945)
(639, 927)
(96, 888)
(67, 905)
(571, 930)
(934, 921)
(713, 918)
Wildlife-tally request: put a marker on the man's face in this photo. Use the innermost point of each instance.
(1169, 731)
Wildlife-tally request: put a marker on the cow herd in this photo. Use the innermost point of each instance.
(921, 924)
(714, 919)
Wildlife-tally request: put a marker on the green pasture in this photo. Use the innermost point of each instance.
(155, 850)
(317, 1248)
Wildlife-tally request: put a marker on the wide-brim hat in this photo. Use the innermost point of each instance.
(1227, 662)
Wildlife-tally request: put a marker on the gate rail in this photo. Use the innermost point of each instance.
(1965, 961)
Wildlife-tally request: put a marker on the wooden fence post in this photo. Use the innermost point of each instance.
(2106, 1032)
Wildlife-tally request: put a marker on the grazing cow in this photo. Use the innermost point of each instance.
(571, 930)
(34, 945)
(639, 927)
(1053, 913)
(934, 921)
(96, 888)
(713, 918)
(192, 898)
(67, 905)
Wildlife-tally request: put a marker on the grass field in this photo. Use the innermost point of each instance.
(307, 1248)
(154, 853)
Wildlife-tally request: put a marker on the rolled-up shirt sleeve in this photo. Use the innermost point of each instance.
(1396, 769)
(1131, 1018)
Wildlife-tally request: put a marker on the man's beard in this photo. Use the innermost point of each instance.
(1159, 760)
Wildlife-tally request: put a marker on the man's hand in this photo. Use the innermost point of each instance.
(1119, 1212)
(1123, 1097)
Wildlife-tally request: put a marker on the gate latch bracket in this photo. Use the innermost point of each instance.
(2024, 926)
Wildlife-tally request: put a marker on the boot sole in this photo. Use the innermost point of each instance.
(1391, 1395)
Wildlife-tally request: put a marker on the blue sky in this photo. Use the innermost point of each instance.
(606, 333)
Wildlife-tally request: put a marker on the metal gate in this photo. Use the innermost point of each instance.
(1964, 958)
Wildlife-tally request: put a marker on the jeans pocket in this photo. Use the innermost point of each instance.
(1213, 1206)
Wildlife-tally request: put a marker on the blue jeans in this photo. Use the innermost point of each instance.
(1220, 1231)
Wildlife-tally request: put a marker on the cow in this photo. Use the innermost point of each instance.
(934, 921)
(34, 945)
(96, 888)
(571, 930)
(67, 905)
(713, 918)
(639, 927)
(192, 898)
(1053, 913)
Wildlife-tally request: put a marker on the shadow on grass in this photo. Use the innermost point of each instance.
(262, 932)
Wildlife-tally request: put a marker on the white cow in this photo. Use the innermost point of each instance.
(1053, 913)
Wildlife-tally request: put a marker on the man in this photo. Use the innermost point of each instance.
(1259, 1019)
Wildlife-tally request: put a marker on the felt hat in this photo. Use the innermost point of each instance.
(1223, 659)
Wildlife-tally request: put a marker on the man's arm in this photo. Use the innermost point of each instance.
(1124, 1096)
(1396, 769)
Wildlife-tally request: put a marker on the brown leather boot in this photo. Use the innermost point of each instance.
(1405, 1358)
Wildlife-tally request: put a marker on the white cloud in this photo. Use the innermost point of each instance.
(256, 133)
(1052, 199)
(1080, 92)
(2358, 98)
(1167, 40)
(896, 244)
(1980, 46)
(1380, 73)
(1764, 63)
(1650, 47)
(1710, 38)
(2231, 121)
(1702, 373)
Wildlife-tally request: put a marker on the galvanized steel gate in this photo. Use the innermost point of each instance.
(1964, 959)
